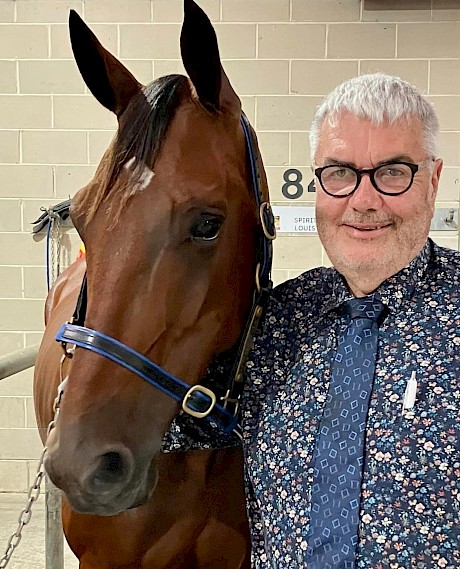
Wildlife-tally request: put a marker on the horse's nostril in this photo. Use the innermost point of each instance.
(113, 469)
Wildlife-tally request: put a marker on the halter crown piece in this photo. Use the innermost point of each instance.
(197, 400)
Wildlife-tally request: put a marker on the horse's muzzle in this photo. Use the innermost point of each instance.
(109, 486)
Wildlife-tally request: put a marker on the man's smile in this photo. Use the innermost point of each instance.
(366, 229)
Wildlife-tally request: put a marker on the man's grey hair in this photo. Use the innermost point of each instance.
(381, 99)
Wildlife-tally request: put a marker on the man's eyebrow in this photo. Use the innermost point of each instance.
(329, 161)
(334, 162)
(398, 158)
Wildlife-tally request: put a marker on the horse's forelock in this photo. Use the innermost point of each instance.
(141, 133)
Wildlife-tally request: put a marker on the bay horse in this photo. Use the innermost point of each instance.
(177, 228)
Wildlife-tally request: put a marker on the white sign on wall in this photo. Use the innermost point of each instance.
(294, 219)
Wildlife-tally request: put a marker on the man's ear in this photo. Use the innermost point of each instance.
(435, 175)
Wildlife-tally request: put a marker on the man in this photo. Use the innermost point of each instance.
(351, 409)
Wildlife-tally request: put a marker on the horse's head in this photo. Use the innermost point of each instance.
(170, 225)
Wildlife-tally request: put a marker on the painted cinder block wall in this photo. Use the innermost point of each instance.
(282, 56)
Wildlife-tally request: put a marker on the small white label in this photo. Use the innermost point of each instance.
(294, 219)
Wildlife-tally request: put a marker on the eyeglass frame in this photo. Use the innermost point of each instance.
(414, 168)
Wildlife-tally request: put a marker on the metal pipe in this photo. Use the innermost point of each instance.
(54, 540)
(18, 361)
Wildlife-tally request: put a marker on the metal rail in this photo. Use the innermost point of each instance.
(54, 537)
(54, 541)
(18, 361)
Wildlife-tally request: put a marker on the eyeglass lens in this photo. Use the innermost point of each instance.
(389, 178)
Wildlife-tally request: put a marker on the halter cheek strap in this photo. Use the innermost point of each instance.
(197, 400)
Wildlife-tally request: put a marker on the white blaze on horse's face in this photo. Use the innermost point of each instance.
(143, 180)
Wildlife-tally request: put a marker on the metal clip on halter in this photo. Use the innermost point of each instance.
(231, 400)
(68, 352)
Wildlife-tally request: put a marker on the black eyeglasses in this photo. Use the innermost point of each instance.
(390, 179)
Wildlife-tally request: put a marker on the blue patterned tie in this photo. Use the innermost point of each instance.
(338, 456)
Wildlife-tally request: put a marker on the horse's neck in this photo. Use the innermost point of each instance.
(198, 467)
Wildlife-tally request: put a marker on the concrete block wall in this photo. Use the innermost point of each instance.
(282, 56)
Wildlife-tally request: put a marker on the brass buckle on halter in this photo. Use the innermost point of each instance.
(266, 214)
(204, 391)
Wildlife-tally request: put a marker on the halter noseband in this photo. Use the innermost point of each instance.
(196, 400)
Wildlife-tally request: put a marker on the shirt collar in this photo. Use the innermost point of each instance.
(394, 291)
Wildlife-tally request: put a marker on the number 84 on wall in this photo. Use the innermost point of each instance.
(294, 184)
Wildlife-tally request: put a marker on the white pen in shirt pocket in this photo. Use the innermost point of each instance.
(410, 394)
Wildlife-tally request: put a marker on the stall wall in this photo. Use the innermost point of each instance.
(282, 56)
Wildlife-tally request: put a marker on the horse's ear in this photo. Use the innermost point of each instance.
(200, 55)
(107, 79)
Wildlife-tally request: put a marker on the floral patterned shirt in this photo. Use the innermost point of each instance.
(410, 500)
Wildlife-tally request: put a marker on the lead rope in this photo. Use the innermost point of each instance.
(53, 247)
(34, 491)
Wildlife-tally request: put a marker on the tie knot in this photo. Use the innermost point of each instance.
(366, 307)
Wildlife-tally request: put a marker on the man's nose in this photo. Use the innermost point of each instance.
(365, 196)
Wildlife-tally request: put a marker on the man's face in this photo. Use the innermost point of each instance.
(369, 233)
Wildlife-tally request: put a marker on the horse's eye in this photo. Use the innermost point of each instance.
(206, 227)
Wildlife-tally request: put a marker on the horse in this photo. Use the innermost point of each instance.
(177, 229)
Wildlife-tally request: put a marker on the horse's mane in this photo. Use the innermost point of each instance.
(142, 130)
